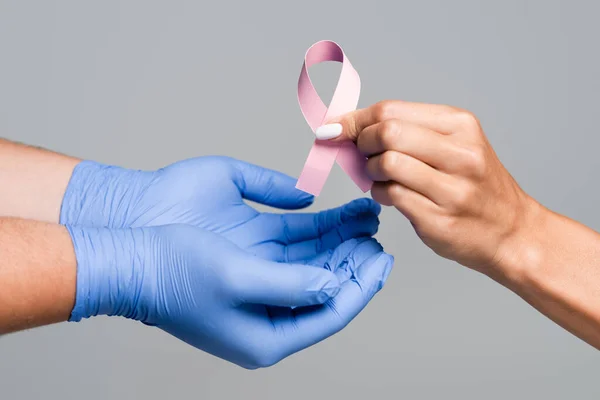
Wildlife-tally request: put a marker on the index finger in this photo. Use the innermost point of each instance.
(298, 227)
(440, 118)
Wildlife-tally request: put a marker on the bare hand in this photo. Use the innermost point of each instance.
(434, 164)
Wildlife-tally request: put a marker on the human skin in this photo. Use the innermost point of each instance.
(186, 256)
(189, 282)
(38, 274)
(434, 164)
(33, 181)
(206, 192)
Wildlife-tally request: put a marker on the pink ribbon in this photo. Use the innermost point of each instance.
(324, 154)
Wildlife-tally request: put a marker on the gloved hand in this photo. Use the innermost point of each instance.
(209, 192)
(217, 297)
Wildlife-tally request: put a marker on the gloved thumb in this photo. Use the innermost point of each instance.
(285, 285)
(269, 187)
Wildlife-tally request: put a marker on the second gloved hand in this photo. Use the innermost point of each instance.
(205, 290)
(209, 192)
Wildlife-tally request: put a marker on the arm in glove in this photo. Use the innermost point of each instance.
(206, 192)
(209, 192)
(205, 290)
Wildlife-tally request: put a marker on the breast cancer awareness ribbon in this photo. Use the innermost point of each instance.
(324, 154)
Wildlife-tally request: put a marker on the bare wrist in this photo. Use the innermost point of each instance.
(521, 253)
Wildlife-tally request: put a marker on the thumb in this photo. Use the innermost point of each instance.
(285, 285)
(269, 187)
(348, 126)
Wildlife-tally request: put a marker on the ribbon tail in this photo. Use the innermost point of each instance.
(317, 167)
(354, 165)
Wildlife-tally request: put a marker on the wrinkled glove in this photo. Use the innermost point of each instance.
(207, 291)
(209, 192)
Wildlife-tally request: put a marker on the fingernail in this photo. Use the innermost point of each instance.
(329, 131)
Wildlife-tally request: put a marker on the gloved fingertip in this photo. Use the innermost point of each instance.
(305, 199)
(357, 241)
(372, 224)
(293, 199)
(385, 259)
(354, 207)
(362, 206)
(370, 246)
(376, 207)
(373, 273)
(271, 188)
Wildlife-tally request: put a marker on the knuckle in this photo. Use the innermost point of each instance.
(462, 198)
(389, 134)
(387, 193)
(380, 193)
(394, 191)
(383, 110)
(474, 161)
(444, 227)
(394, 194)
(352, 128)
(466, 120)
(389, 162)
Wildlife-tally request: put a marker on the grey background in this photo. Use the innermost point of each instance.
(144, 83)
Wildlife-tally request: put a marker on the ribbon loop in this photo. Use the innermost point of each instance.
(324, 154)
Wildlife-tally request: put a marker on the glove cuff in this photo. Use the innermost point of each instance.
(110, 273)
(102, 195)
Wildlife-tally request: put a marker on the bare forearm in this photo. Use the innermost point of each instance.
(555, 267)
(37, 274)
(33, 181)
(435, 165)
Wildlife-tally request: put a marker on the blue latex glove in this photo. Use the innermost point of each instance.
(209, 192)
(205, 290)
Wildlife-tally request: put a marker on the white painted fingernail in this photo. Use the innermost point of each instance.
(328, 131)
